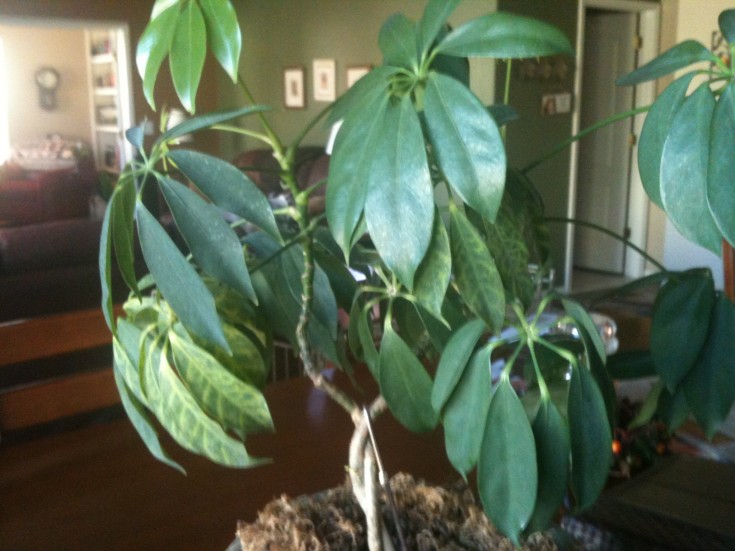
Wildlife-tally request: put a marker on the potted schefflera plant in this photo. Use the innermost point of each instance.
(420, 202)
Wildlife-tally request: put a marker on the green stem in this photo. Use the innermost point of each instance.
(566, 143)
(612, 234)
(243, 131)
(537, 368)
(506, 96)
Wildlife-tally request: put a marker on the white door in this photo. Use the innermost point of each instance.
(603, 175)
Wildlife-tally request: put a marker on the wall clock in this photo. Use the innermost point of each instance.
(47, 80)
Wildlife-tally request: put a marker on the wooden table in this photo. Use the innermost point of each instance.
(99, 488)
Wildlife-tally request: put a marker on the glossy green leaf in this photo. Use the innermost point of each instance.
(453, 362)
(372, 85)
(178, 282)
(684, 171)
(104, 265)
(187, 423)
(362, 340)
(631, 364)
(726, 22)
(153, 47)
(649, 406)
(590, 436)
(142, 424)
(405, 384)
(397, 42)
(351, 166)
(246, 361)
(227, 187)
(135, 135)
(465, 414)
(721, 176)
(681, 55)
(553, 449)
(409, 324)
(433, 20)
(466, 142)
(679, 324)
(280, 286)
(160, 6)
(708, 386)
(585, 323)
(505, 36)
(399, 206)
(476, 275)
(214, 245)
(188, 51)
(506, 242)
(236, 405)
(507, 474)
(223, 34)
(204, 122)
(123, 231)
(434, 272)
(126, 356)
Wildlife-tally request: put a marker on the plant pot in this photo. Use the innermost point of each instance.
(432, 518)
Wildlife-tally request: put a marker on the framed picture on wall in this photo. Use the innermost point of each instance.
(294, 95)
(325, 88)
(355, 73)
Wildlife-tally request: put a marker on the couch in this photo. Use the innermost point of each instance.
(48, 242)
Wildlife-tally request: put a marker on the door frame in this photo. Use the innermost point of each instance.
(650, 15)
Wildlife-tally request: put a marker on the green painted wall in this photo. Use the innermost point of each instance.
(284, 33)
(535, 134)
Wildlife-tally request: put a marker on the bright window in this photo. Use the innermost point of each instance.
(4, 138)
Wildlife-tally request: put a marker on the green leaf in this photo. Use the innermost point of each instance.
(369, 87)
(104, 264)
(188, 51)
(397, 42)
(399, 206)
(135, 135)
(351, 166)
(280, 286)
(552, 455)
(673, 408)
(227, 187)
(143, 425)
(213, 243)
(679, 324)
(476, 275)
(507, 474)
(434, 272)
(160, 6)
(684, 171)
(503, 114)
(153, 47)
(362, 340)
(453, 362)
(405, 384)
(590, 436)
(681, 55)
(185, 421)
(178, 281)
(505, 36)
(726, 22)
(631, 364)
(649, 406)
(123, 231)
(246, 361)
(466, 142)
(721, 176)
(465, 414)
(126, 357)
(236, 405)
(433, 20)
(223, 33)
(708, 386)
(204, 122)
